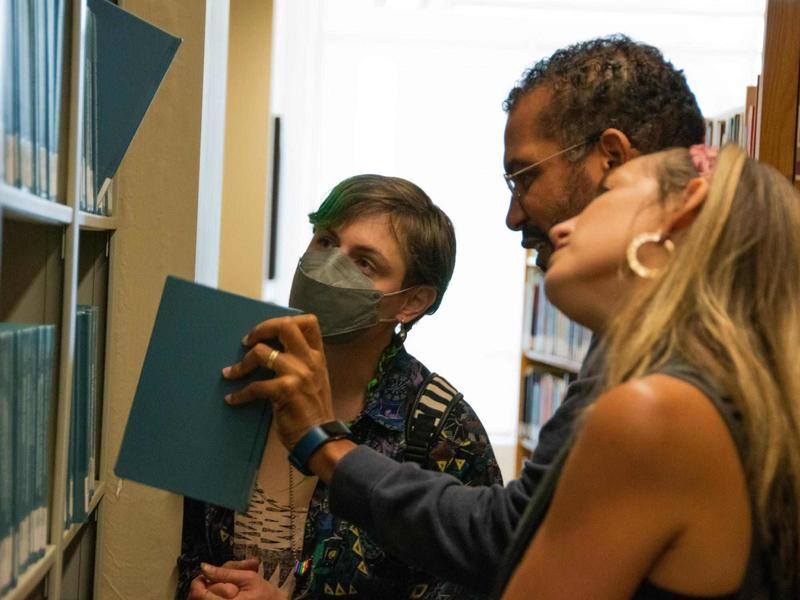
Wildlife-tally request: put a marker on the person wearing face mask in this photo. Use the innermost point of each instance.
(573, 117)
(380, 258)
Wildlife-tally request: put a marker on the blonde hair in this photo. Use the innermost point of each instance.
(730, 304)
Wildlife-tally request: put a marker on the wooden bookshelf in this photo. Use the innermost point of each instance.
(536, 359)
(780, 87)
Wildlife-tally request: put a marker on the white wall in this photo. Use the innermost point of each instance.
(414, 88)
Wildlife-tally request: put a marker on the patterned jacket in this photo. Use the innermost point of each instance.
(345, 561)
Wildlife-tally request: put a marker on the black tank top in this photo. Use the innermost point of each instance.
(755, 585)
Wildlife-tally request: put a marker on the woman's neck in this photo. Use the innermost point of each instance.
(350, 369)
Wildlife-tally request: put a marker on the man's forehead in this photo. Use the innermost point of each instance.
(526, 116)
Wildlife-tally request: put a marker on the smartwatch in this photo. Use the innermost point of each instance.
(316, 437)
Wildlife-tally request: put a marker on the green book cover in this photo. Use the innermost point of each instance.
(131, 58)
(181, 436)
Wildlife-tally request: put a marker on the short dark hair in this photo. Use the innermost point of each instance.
(424, 232)
(613, 82)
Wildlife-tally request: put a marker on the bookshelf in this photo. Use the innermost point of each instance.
(169, 219)
(767, 125)
(770, 131)
(553, 348)
(778, 142)
(50, 264)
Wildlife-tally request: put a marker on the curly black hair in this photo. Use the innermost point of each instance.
(616, 82)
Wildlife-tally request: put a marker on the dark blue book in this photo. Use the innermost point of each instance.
(131, 58)
(181, 436)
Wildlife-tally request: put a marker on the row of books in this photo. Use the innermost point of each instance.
(737, 126)
(26, 384)
(95, 196)
(543, 393)
(83, 417)
(125, 59)
(32, 33)
(548, 332)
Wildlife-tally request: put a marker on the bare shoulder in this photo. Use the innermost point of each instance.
(660, 423)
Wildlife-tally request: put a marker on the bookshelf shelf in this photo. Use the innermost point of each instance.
(89, 221)
(563, 364)
(549, 339)
(74, 529)
(527, 443)
(32, 576)
(25, 206)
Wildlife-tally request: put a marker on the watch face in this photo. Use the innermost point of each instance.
(313, 439)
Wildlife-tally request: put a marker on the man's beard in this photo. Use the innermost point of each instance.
(579, 191)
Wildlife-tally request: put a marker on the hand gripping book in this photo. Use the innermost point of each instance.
(181, 436)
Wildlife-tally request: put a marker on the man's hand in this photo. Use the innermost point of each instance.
(300, 391)
(201, 588)
(245, 584)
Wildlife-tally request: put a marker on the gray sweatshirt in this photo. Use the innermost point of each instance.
(432, 521)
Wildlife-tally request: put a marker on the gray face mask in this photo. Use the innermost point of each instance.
(329, 285)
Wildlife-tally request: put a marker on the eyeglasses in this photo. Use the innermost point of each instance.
(515, 184)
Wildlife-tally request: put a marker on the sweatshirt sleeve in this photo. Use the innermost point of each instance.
(431, 520)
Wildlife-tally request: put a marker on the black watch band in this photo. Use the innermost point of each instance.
(314, 438)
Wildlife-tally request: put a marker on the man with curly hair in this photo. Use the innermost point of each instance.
(573, 117)
(600, 102)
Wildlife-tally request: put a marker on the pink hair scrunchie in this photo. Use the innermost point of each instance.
(704, 158)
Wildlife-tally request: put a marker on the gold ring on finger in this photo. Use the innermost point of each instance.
(273, 356)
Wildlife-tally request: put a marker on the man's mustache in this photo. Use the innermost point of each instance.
(534, 238)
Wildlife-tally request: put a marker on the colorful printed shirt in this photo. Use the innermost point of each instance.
(345, 562)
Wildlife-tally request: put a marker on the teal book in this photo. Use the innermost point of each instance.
(181, 436)
(131, 58)
(7, 457)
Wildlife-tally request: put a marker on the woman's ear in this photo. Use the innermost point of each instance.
(419, 299)
(684, 210)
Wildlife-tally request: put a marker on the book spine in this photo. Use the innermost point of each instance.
(93, 398)
(7, 455)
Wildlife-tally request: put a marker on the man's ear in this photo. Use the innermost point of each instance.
(683, 210)
(612, 149)
(615, 148)
(419, 299)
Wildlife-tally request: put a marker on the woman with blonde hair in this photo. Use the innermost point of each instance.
(683, 480)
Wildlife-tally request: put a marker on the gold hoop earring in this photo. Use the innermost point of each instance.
(633, 254)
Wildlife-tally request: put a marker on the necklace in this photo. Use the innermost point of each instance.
(301, 567)
(292, 519)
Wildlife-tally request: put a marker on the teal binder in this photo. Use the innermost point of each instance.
(132, 57)
(181, 436)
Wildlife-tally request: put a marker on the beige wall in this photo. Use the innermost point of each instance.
(156, 201)
(168, 207)
(246, 178)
